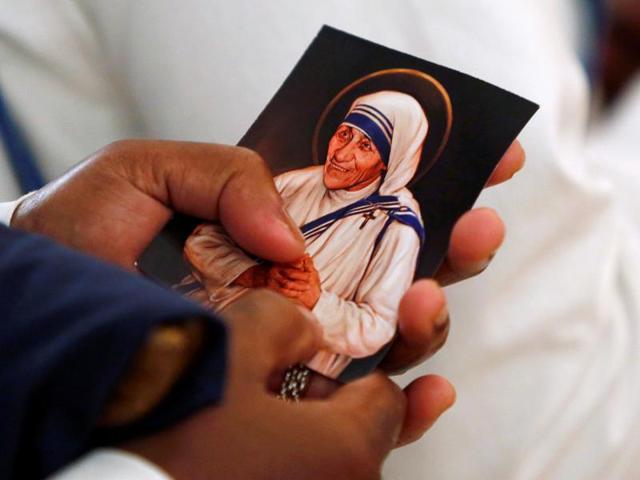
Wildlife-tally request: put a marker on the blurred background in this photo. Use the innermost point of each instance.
(545, 345)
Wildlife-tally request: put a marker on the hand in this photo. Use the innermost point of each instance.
(475, 239)
(254, 277)
(478, 234)
(298, 281)
(115, 203)
(423, 320)
(253, 435)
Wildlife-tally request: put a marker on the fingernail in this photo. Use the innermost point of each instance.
(482, 265)
(442, 319)
(454, 396)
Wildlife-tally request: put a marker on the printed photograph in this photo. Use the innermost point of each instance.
(375, 154)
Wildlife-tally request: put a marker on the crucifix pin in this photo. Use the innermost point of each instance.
(368, 216)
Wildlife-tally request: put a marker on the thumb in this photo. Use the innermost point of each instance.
(214, 182)
(277, 332)
(376, 407)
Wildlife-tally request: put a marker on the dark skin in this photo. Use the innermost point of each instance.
(620, 47)
(255, 436)
(113, 205)
(470, 241)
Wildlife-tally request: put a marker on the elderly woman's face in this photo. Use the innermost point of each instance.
(353, 161)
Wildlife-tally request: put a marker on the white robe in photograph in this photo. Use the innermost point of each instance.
(360, 289)
(365, 263)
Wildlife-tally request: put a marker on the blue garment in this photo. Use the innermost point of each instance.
(390, 204)
(595, 20)
(69, 326)
(21, 158)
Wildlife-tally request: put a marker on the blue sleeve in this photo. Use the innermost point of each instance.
(69, 326)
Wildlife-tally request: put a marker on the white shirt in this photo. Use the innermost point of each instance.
(544, 347)
(6, 211)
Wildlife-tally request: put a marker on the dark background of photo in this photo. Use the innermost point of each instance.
(486, 120)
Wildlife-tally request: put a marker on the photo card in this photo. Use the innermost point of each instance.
(376, 154)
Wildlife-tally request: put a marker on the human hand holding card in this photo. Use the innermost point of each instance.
(299, 281)
(375, 157)
(143, 173)
(226, 184)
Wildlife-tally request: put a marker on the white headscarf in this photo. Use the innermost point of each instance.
(409, 128)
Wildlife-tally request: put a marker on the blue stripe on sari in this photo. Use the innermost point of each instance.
(370, 200)
(387, 203)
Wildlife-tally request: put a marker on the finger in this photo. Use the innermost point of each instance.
(298, 264)
(287, 292)
(212, 182)
(306, 262)
(375, 407)
(294, 274)
(290, 293)
(269, 333)
(275, 275)
(286, 276)
(296, 287)
(423, 326)
(427, 398)
(273, 284)
(510, 164)
(475, 238)
(309, 266)
(321, 386)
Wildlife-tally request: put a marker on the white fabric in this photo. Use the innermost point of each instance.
(8, 208)
(6, 211)
(110, 464)
(52, 62)
(544, 345)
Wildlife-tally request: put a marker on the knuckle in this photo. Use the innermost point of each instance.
(120, 155)
(120, 147)
(273, 308)
(123, 143)
(249, 160)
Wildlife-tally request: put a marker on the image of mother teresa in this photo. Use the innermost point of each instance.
(362, 229)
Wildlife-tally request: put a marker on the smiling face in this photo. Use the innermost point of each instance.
(353, 161)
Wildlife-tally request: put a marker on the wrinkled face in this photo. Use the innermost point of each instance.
(353, 161)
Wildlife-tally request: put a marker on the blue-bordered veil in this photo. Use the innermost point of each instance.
(396, 123)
